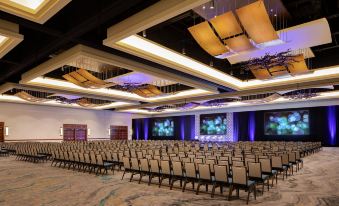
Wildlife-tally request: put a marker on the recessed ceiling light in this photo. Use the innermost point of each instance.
(32, 4)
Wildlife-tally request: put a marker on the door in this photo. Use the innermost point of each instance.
(118, 132)
(2, 131)
(75, 132)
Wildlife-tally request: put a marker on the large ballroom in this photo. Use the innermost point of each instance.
(169, 102)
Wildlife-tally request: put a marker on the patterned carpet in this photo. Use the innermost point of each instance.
(24, 183)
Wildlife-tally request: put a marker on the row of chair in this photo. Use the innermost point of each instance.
(221, 174)
(82, 162)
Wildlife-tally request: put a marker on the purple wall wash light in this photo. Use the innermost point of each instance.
(332, 124)
(182, 128)
(146, 122)
(235, 127)
(251, 126)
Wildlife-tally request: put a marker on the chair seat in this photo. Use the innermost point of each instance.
(108, 164)
(264, 177)
(274, 172)
(230, 180)
(250, 183)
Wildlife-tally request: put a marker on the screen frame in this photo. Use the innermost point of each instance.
(201, 116)
(287, 135)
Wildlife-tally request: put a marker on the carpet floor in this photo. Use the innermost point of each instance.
(24, 183)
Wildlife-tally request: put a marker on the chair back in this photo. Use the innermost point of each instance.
(177, 168)
(204, 172)
(144, 166)
(239, 175)
(266, 165)
(165, 167)
(254, 169)
(135, 163)
(99, 160)
(127, 164)
(237, 163)
(284, 159)
(277, 162)
(221, 173)
(154, 166)
(190, 170)
(292, 157)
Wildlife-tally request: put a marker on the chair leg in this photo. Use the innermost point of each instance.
(160, 181)
(213, 190)
(171, 183)
(255, 192)
(198, 187)
(131, 177)
(263, 187)
(149, 179)
(248, 196)
(140, 178)
(123, 174)
(230, 193)
(183, 188)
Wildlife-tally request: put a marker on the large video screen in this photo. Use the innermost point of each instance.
(163, 127)
(287, 123)
(213, 124)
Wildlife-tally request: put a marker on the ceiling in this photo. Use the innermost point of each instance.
(78, 34)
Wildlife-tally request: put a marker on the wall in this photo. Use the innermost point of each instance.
(183, 128)
(247, 123)
(177, 122)
(324, 126)
(35, 122)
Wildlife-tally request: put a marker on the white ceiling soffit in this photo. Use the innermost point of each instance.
(9, 37)
(34, 10)
(140, 78)
(83, 52)
(254, 107)
(300, 37)
(151, 16)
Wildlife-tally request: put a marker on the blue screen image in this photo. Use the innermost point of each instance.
(163, 128)
(287, 123)
(213, 124)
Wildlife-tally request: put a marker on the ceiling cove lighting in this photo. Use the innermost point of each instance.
(113, 92)
(176, 58)
(281, 100)
(31, 4)
(2, 39)
(167, 56)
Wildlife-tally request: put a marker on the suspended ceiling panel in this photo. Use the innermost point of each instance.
(298, 37)
(9, 37)
(35, 10)
(140, 78)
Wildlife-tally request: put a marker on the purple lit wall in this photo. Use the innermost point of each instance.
(192, 129)
(235, 127)
(182, 128)
(251, 126)
(332, 124)
(137, 128)
(146, 123)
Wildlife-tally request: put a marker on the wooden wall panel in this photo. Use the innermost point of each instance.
(118, 132)
(2, 131)
(75, 132)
